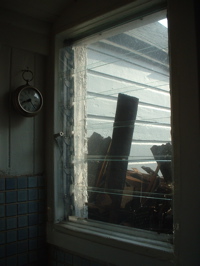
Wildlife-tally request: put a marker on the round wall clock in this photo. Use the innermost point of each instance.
(27, 100)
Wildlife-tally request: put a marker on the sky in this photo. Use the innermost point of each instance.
(164, 22)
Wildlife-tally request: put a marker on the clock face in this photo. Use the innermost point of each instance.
(27, 100)
(30, 99)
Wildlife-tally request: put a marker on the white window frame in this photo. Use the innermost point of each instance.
(116, 249)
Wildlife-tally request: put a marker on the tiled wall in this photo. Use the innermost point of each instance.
(22, 221)
(59, 257)
(22, 226)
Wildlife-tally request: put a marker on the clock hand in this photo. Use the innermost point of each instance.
(33, 104)
(29, 100)
(26, 101)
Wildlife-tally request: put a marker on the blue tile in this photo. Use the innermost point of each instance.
(2, 183)
(11, 183)
(22, 208)
(76, 261)
(42, 254)
(60, 256)
(2, 251)
(11, 249)
(32, 194)
(33, 206)
(22, 233)
(11, 196)
(23, 259)
(22, 182)
(11, 210)
(11, 223)
(42, 218)
(33, 219)
(42, 206)
(42, 194)
(22, 195)
(22, 221)
(41, 242)
(33, 231)
(94, 263)
(32, 244)
(2, 198)
(85, 262)
(68, 258)
(32, 181)
(53, 252)
(2, 224)
(41, 182)
(22, 246)
(11, 261)
(2, 211)
(42, 230)
(2, 238)
(33, 256)
(11, 236)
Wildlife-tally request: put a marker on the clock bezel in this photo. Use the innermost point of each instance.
(17, 104)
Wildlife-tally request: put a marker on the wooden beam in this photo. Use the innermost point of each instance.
(120, 148)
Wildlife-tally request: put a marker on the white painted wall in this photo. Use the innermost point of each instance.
(21, 139)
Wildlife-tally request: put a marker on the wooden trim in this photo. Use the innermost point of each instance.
(75, 25)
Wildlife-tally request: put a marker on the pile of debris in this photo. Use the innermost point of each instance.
(128, 197)
(145, 201)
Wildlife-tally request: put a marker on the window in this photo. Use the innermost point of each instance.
(119, 243)
(117, 127)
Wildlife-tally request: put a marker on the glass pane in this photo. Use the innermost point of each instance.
(125, 115)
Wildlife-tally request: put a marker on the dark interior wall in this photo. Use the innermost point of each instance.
(197, 23)
(22, 180)
(22, 138)
(57, 256)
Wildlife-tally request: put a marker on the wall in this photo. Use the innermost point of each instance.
(21, 138)
(22, 220)
(63, 257)
(22, 179)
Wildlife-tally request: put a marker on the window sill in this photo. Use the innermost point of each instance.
(111, 246)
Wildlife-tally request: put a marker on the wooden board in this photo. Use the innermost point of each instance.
(39, 133)
(22, 134)
(5, 54)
